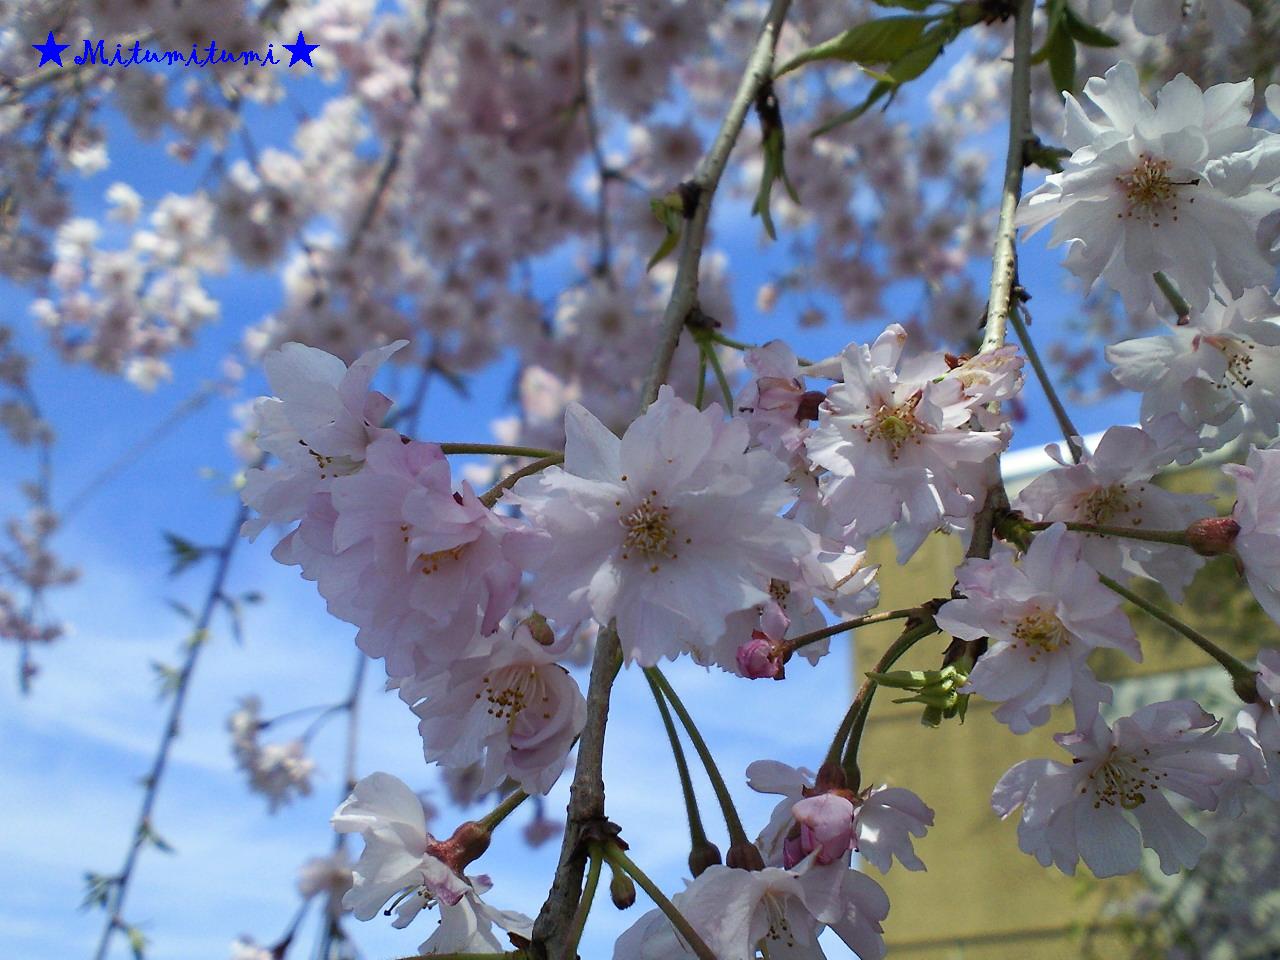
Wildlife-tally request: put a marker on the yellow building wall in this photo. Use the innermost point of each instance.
(981, 896)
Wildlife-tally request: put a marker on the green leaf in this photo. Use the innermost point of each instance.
(882, 40)
(182, 552)
(1062, 59)
(169, 678)
(147, 834)
(98, 888)
(905, 4)
(669, 211)
(1087, 33)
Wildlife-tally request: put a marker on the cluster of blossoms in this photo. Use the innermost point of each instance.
(279, 771)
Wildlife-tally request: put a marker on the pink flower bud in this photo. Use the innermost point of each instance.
(825, 824)
(759, 658)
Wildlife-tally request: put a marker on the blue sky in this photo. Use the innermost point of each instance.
(73, 751)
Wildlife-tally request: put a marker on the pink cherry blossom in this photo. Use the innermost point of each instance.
(1257, 511)
(515, 711)
(1111, 800)
(669, 530)
(1217, 374)
(896, 441)
(1044, 616)
(318, 427)
(1112, 486)
(1259, 727)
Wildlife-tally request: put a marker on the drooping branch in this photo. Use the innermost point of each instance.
(142, 830)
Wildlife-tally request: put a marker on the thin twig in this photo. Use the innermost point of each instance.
(1069, 431)
(1175, 537)
(494, 493)
(498, 450)
(795, 643)
(604, 257)
(142, 827)
(1004, 261)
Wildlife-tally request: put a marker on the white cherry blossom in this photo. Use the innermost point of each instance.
(1179, 187)
(1218, 373)
(1111, 800)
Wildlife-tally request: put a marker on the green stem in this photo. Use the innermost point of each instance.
(498, 449)
(584, 905)
(708, 350)
(1069, 431)
(1176, 537)
(685, 929)
(697, 834)
(855, 719)
(1176, 299)
(701, 395)
(795, 643)
(494, 493)
(504, 809)
(1229, 663)
(733, 344)
(737, 835)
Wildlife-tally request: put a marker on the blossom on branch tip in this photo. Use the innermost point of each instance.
(318, 426)
(515, 711)
(669, 529)
(1112, 486)
(396, 858)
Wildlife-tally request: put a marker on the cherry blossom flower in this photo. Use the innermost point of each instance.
(516, 711)
(467, 926)
(1044, 616)
(329, 877)
(395, 859)
(1217, 373)
(881, 820)
(318, 426)
(775, 403)
(739, 913)
(418, 567)
(895, 437)
(1112, 486)
(281, 772)
(1179, 187)
(1259, 727)
(1111, 800)
(639, 529)
(1257, 512)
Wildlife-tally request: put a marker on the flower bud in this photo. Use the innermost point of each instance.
(622, 891)
(760, 658)
(1212, 536)
(810, 401)
(468, 843)
(703, 855)
(744, 856)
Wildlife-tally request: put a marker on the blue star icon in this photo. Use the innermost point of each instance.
(50, 51)
(300, 51)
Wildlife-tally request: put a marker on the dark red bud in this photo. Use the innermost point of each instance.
(468, 843)
(745, 856)
(1213, 536)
